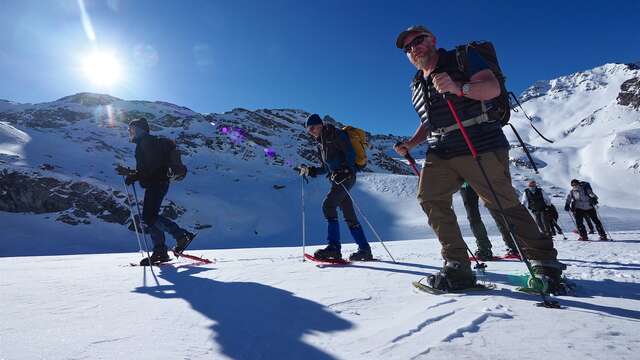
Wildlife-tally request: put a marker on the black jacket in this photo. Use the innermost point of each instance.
(151, 162)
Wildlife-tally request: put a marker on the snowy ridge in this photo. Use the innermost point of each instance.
(593, 120)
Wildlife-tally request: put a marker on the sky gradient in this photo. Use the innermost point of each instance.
(329, 57)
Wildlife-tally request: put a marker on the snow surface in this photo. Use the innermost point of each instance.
(268, 304)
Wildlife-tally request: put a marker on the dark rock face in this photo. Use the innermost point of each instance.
(630, 93)
(75, 202)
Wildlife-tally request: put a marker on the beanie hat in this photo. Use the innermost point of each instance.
(313, 119)
(140, 123)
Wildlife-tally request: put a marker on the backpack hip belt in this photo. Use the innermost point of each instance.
(480, 119)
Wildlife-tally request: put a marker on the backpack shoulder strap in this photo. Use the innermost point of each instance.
(462, 58)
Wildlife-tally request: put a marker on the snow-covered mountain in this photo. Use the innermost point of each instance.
(593, 117)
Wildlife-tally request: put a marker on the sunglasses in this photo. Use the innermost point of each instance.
(415, 42)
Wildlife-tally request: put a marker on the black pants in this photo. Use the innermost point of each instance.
(338, 198)
(588, 214)
(156, 224)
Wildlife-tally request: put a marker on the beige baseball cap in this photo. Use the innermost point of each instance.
(413, 29)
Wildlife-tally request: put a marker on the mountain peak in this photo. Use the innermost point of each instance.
(89, 99)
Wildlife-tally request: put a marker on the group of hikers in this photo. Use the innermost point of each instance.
(454, 94)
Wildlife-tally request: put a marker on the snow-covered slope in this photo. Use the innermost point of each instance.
(594, 119)
(268, 304)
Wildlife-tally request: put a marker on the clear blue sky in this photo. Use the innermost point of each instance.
(331, 57)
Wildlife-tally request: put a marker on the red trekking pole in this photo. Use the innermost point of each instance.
(410, 159)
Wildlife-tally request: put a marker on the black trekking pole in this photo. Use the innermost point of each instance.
(595, 208)
(367, 221)
(534, 282)
(133, 219)
(524, 147)
(411, 160)
(144, 237)
(304, 232)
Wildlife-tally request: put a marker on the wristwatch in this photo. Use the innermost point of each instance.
(465, 88)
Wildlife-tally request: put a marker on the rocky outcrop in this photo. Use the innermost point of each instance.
(630, 93)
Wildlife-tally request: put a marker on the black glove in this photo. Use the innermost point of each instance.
(130, 179)
(340, 176)
(566, 208)
(593, 201)
(124, 171)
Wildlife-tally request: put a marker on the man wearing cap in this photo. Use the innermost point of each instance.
(151, 173)
(450, 162)
(337, 160)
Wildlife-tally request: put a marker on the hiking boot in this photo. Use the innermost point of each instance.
(156, 258)
(511, 254)
(453, 276)
(583, 238)
(483, 255)
(361, 255)
(183, 242)
(328, 253)
(552, 276)
(603, 238)
(591, 232)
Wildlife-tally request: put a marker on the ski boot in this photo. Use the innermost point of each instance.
(183, 242)
(483, 255)
(328, 253)
(453, 276)
(361, 255)
(156, 258)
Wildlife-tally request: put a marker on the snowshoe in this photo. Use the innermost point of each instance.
(155, 259)
(361, 255)
(547, 280)
(453, 276)
(328, 253)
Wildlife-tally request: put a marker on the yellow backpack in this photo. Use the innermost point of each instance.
(360, 145)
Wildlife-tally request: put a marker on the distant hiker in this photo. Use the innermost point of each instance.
(552, 218)
(536, 200)
(582, 201)
(471, 88)
(484, 252)
(337, 160)
(152, 168)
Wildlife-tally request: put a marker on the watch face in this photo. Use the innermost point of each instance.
(465, 88)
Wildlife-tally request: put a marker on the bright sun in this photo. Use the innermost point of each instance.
(102, 68)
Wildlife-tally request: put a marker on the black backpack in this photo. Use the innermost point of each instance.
(173, 159)
(501, 110)
(535, 199)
